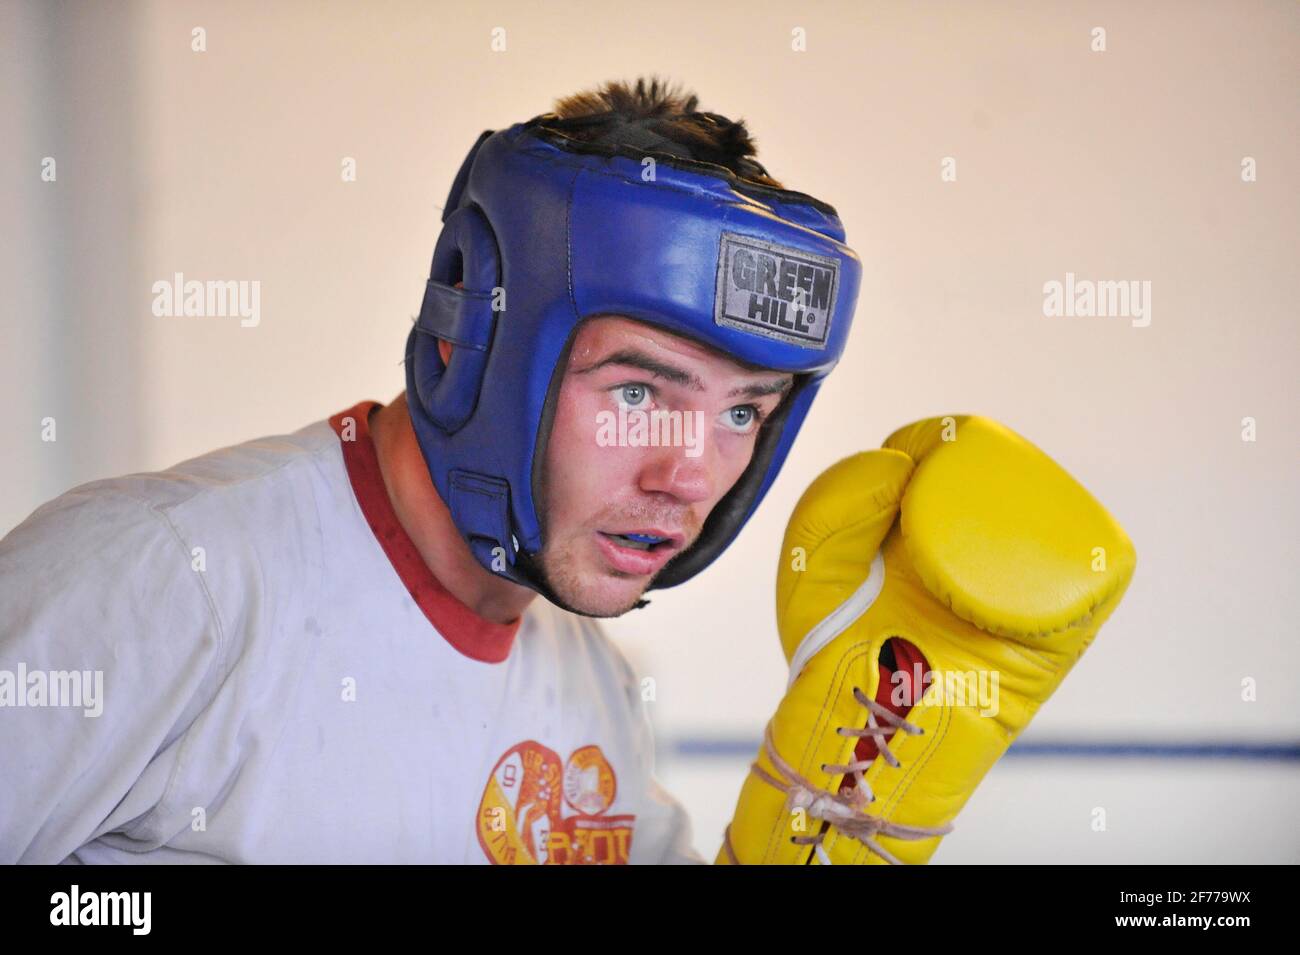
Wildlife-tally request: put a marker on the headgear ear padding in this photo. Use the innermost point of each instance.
(467, 253)
(544, 232)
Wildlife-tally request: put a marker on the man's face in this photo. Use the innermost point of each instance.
(651, 430)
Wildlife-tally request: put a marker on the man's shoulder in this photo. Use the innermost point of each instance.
(238, 492)
(247, 468)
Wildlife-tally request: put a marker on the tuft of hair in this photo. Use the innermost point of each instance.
(618, 114)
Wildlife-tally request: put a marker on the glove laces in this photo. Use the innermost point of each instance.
(847, 813)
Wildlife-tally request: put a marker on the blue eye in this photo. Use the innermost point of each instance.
(742, 418)
(632, 396)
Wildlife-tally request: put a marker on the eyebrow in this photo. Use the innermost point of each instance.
(633, 358)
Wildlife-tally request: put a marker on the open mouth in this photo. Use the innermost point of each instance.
(639, 553)
(646, 542)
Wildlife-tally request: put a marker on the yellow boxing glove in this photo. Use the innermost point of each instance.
(930, 597)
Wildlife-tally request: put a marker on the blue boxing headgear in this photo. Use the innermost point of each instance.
(544, 231)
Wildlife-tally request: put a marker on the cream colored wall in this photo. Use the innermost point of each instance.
(1122, 165)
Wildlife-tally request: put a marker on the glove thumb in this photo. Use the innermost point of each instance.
(832, 537)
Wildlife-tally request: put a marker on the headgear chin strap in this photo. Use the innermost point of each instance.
(544, 231)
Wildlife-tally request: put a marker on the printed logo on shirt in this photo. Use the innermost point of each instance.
(540, 810)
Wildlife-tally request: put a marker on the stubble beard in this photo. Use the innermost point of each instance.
(560, 571)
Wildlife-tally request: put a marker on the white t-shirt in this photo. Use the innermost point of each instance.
(244, 659)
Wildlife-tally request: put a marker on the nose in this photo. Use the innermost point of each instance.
(670, 470)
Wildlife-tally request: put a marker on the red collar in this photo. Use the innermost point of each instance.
(460, 626)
